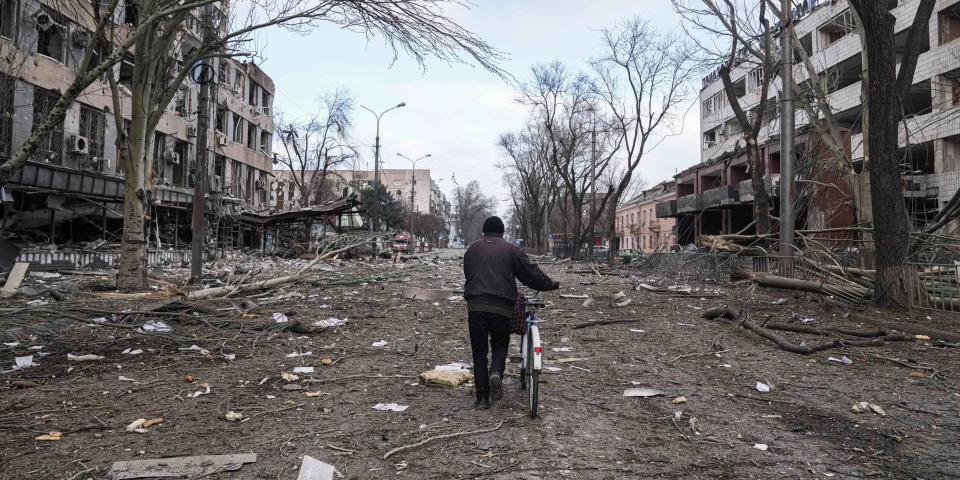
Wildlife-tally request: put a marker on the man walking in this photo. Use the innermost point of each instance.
(491, 267)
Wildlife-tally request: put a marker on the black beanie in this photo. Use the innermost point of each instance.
(493, 225)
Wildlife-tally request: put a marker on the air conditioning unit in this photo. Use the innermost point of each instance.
(172, 157)
(79, 145)
(221, 139)
(191, 131)
(264, 110)
(80, 38)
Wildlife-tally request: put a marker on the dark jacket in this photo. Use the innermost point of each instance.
(491, 266)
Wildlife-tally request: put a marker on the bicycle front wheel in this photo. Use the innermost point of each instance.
(533, 378)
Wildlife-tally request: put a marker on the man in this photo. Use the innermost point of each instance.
(491, 266)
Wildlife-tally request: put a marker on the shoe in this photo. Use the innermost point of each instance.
(496, 387)
(482, 404)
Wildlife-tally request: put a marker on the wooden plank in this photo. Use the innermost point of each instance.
(179, 467)
(15, 276)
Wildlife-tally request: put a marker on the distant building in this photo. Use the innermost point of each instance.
(637, 225)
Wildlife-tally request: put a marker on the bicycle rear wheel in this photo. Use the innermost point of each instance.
(533, 378)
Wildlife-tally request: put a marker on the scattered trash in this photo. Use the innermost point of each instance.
(302, 369)
(12, 344)
(760, 446)
(50, 437)
(205, 391)
(232, 416)
(137, 426)
(194, 348)
(637, 330)
(570, 360)
(311, 394)
(156, 326)
(763, 387)
(642, 392)
(180, 467)
(553, 369)
(808, 320)
(188, 378)
(289, 377)
(861, 407)
(313, 469)
(679, 400)
(330, 322)
(574, 296)
(132, 352)
(15, 277)
(121, 378)
(922, 337)
(280, 318)
(562, 349)
(295, 354)
(151, 422)
(381, 343)
(453, 367)
(326, 361)
(83, 358)
(579, 368)
(230, 356)
(392, 407)
(844, 360)
(23, 362)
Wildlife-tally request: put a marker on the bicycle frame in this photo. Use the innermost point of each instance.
(533, 332)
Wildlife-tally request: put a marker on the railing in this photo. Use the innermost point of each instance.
(667, 209)
(690, 203)
(725, 195)
(92, 259)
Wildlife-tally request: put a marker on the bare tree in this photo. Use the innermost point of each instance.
(316, 145)
(644, 81)
(472, 208)
(533, 183)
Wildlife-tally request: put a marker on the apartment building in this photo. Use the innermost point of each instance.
(637, 224)
(716, 195)
(400, 183)
(73, 184)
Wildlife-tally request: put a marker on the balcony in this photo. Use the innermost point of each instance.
(746, 187)
(919, 187)
(690, 203)
(721, 196)
(667, 209)
(634, 228)
(654, 225)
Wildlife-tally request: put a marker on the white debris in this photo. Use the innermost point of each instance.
(156, 326)
(637, 330)
(12, 344)
(642, 392)
(83, 358)
(23, 362)
(297, 354)
(280, 318)
(232, 416)
(202, 351)
(205, 391)
(381, 343)
(331, 322)
(392, 407)
(132, 352)
(455, 367)
(844, 360)
(121, 378)
(302, 369)
(760, 446)
(763, 387)
(230, 356)
(562, 349)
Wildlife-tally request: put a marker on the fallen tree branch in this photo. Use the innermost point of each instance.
(439, 437)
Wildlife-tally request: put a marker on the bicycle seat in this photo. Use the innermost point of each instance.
(535, 303)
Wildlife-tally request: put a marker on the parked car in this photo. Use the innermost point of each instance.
(630, 255)
(402, 243)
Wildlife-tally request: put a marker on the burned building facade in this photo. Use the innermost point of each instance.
(72, 187)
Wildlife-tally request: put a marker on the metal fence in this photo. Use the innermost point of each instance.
(92, 259)
(937, 286)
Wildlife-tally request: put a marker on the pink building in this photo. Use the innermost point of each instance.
(638, 227)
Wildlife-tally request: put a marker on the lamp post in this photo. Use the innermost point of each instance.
(376, 164)
(413, 188)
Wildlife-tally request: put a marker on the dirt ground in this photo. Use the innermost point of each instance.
(588, 428)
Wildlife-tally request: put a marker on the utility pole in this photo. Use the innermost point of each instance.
(376, 165)
(413, 188)
(200, 166)
(787, 213)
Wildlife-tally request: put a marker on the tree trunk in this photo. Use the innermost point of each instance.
(761, 200)
(133, 248)
(892, 235)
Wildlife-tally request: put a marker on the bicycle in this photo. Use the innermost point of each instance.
(531, 354)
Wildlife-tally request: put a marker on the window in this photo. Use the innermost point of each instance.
(220, 166)
(253, 93)
(714, 104)
(220, 121)
(179, 176)
(222, 73)
(755, 78)
(237, 128)
(126, 72)
(8, 18)
(51, 147)
(159, 148)
(265, 100)
(837, 28)
(182, 102)
(238, 82)
(251, 136)
(50, 37)
(265, 141)
(7, 85)
(949, 22)
(92, 122)
(131, 13)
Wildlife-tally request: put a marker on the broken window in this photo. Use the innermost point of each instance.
(265, 140)
(238, 82)
(220, 121)
(50, 36)
(237, 128)
(265, 101)
(740, 87)
(182, 101)
(837, 28)
(253, 92)
(159, 149)
(131, 13)
(181, 148)
(7, 85)
(126, 72)
(222, 73)
(50, 149)
(251, 135)
(806, 42)
(8, 18)
(755, 79)
(92, 126)
(220, 166)
(949, 22)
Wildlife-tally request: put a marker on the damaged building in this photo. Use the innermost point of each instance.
(71, 190)
(716, 195)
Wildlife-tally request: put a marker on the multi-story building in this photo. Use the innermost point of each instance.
(638, 226)
(75, 173)
(716, 195)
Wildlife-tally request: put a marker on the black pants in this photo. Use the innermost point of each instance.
(485, 325)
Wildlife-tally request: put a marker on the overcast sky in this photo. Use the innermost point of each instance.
(457, 112)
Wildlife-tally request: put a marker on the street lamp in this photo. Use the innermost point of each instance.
(376, 164)
(413, 188)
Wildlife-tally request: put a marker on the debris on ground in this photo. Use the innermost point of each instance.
(313, 469)
(391, 407)
(643, 392)
(180, 467)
